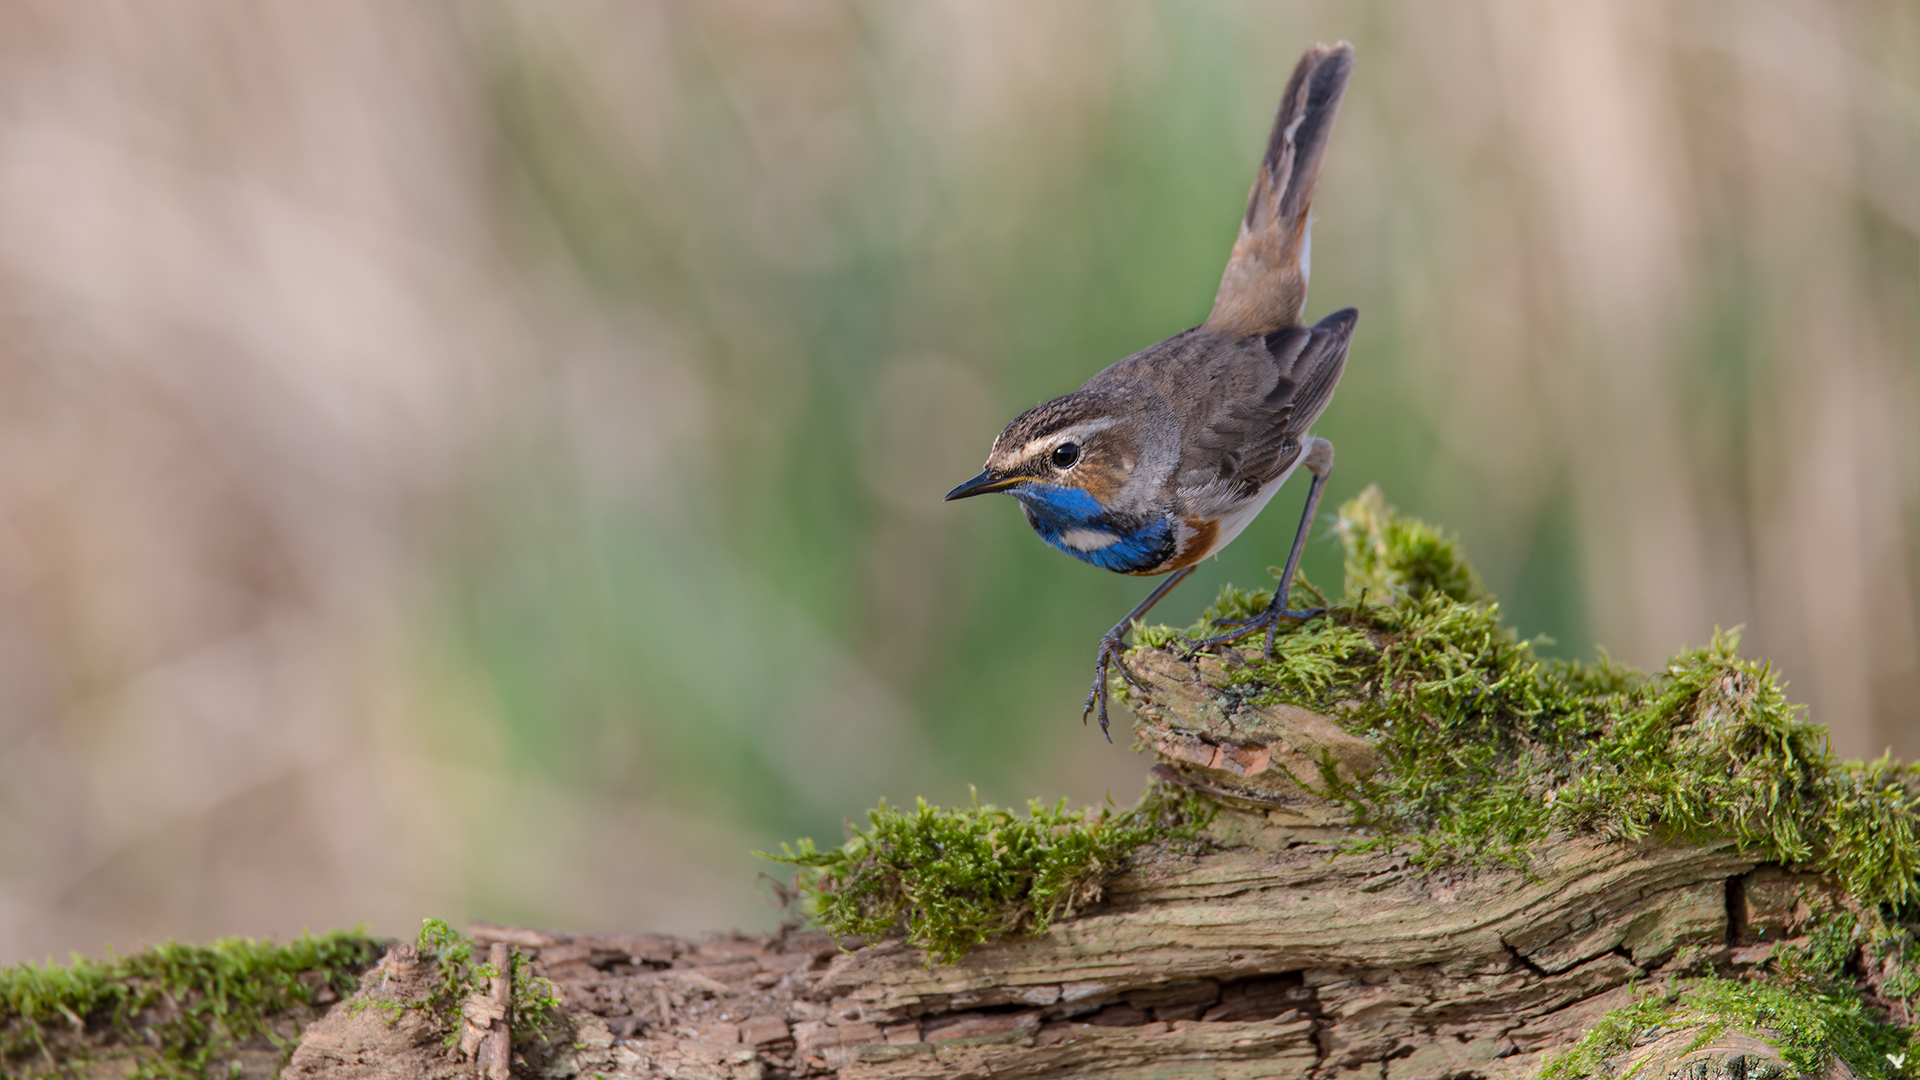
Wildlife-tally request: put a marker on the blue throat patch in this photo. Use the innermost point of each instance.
(1073, 521)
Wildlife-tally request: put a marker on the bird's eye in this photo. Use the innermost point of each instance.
(1065, 455)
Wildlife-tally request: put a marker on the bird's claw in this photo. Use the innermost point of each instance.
(1268, 620)
(1111, 648)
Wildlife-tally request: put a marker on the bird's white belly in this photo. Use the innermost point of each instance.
(1235, 520)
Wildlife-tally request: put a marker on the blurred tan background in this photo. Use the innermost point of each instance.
(485, 460)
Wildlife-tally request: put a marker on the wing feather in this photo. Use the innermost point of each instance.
(1253, 436)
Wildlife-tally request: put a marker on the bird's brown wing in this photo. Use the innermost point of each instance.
(1268, 393)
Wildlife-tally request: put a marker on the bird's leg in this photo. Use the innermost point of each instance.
(1319, 461)
(1111, 646)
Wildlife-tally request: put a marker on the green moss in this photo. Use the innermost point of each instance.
(954, 878)
(1486, 748)
(1809, 1027)
(1612, 1035)
(232, 1008)
(174, 1010)
(1390, 557)
(537, 1018)
(1807, 1002)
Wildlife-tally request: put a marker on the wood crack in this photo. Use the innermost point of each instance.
(1521, 960)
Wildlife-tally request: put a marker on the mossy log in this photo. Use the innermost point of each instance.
(1273, 948)
(1401, 847)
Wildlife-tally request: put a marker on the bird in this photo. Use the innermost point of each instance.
(1161, 459)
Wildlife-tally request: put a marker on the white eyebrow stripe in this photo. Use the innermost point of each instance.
(1077, 431)
(1088, 539)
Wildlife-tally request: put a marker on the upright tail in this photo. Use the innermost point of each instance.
(1265, 284)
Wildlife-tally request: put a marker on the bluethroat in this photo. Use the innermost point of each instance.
(1163, 458)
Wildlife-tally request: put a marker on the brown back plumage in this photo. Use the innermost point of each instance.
(1265, 284)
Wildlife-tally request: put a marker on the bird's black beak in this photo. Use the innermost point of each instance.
(980, 485)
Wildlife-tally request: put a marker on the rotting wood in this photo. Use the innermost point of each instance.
(495, 1058)
(380, 1033)
(1278, 952)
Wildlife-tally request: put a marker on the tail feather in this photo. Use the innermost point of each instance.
(1265, 284)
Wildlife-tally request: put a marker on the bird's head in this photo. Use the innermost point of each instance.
(1076, 450)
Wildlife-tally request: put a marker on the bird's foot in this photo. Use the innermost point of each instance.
(1268, 620)
(1112, 647)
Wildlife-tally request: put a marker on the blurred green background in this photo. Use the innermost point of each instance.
(485, 460)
